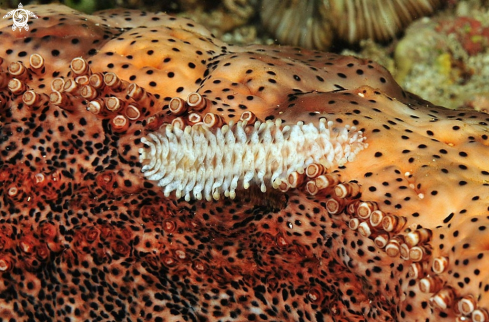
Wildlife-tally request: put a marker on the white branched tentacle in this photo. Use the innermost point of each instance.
(199, 162)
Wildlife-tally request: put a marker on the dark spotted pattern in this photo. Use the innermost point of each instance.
(83, 237)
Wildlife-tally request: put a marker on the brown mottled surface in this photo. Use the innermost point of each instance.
(84, 236)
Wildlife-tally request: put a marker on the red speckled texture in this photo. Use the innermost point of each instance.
(84, 236)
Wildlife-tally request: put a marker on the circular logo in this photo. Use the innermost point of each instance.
(20, 16)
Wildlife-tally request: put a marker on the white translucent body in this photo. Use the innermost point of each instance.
(199, 162)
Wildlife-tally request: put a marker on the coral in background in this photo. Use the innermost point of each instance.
(317, 24)
(312, 24)
(446, 58)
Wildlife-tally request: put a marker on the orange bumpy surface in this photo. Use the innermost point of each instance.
(398, 234)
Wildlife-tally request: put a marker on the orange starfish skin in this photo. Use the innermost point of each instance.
(396, 234)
